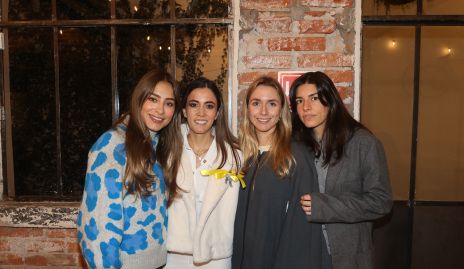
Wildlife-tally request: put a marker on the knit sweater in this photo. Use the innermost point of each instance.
(117, 229)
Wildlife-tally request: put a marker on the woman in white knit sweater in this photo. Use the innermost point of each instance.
(202, 213)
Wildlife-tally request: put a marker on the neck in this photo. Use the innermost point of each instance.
(199, 141)
(264, 139)
(318, 134)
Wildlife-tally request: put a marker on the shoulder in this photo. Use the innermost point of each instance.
(300, 149)
(110, 139)
(363, 137)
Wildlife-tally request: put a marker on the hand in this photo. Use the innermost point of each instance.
(305, 201)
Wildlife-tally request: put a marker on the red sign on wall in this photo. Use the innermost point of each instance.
(286, 79)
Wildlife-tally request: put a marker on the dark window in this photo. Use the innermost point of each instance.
(68, 68)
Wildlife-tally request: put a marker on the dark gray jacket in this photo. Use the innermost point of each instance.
(357, 192)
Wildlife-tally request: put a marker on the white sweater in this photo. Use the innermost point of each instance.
(208, 236)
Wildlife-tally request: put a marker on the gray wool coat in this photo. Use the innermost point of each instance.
(357, 192)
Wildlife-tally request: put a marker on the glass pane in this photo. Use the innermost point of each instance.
(203, 51)
(139, 50)
(202, 9)
(137, 9)
(29, 10)
(389, 7)
(387, 94)
(440, 148)
(85, 96)
(33, 111)
(83, 9)
(443, 7)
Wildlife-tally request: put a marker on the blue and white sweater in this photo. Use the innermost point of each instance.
(116, 229)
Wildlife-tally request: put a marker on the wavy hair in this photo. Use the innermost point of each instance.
(280, 154)
(140, 155)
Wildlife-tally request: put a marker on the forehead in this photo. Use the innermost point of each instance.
(163, 89)
(265, 92)
(305, 90)
(202, 94)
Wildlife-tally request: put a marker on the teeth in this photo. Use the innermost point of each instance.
(201, 121)
(154, 118)
(263, 120)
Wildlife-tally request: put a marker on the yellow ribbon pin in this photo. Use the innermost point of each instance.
(221, 173)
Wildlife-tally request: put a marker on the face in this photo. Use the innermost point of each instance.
(201, 110)
(264, 108)
(158, 108)
(311, 111)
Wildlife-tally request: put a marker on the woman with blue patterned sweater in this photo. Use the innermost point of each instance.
(123, 215)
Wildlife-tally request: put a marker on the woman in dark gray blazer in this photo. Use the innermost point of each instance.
(351, 167)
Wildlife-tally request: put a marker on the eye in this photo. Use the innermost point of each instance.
(299, 101)
(273, 104)
(170, 104)
(315, 98)
(192, 104)
(254, 103)
(152, 98)
(210, 106)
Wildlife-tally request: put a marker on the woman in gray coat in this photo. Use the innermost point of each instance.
(352, 172)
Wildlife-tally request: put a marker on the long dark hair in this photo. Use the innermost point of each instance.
(339, 126)
(223, 134)
(280, 153)
(140, 158)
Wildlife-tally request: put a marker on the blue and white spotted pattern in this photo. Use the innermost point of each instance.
(116, 229)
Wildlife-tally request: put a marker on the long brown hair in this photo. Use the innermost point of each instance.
(223, 134)
(280, 153)
(140, 156)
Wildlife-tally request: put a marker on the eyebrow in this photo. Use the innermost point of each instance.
(309, 95)
(159, 96)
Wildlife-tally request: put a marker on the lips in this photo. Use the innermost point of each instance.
(201, 122)
(261, 120)
(156, 119)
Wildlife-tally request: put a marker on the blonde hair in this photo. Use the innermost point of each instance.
(280, 154)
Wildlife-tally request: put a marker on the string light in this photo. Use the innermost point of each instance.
(135, 8)
(169, 48)
(61, 31)
(160, 47)
(148, 37)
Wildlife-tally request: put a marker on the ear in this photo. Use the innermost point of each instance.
(184, 113)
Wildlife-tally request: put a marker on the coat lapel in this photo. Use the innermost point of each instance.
(332, 176)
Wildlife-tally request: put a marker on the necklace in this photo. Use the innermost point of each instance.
(199, 153)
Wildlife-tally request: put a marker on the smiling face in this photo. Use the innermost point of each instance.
(201, 110)
(264, 108)
(310, 110)
(158, 108)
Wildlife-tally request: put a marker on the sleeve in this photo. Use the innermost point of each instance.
(365, 197)
(100, 221)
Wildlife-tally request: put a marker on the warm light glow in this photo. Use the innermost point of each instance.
(135, 8)
(148, 37)
(209, 50)
(160, 48)
(169, 48)
(447, 51)
(393, 44)
(61, 32)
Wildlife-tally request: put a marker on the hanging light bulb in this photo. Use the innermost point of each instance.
(61, 31)
(169, 48)
(136, 8)
(148, 37)
(160, 47)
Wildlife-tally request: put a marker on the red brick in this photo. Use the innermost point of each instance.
(61, 233)
(73, 247)
(4, 245)
(323, 60)
(326, 3)
(312, 13)
(20, 232)
(345, 92)
(267, 61)
(273, 24)
(37, 260)
(264, 4)
(10, 259)
(297, 44)
(62, 259)
(249, 77)
(345, 76)
(45, 246)
(317, 26)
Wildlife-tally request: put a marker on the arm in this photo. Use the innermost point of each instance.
(100, 220)
(366, 196)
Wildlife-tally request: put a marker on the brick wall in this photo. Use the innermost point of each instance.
(39, 248)
(308, 35)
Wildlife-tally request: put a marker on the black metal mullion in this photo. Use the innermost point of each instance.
(114, 67)
(172, 16)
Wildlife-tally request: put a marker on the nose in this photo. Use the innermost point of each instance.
(201, 111)
(160, 108)
(263, 110)
(307, 104)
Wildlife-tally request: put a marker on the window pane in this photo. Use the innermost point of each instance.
(33, 111)
(202, 9)
(443, 7)
(440, 148)
(139, 50)
(137, 9)
(83, 9)
(29, 10)
(388, 7)
(85, 96)
(202, 51)
(387, 94)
